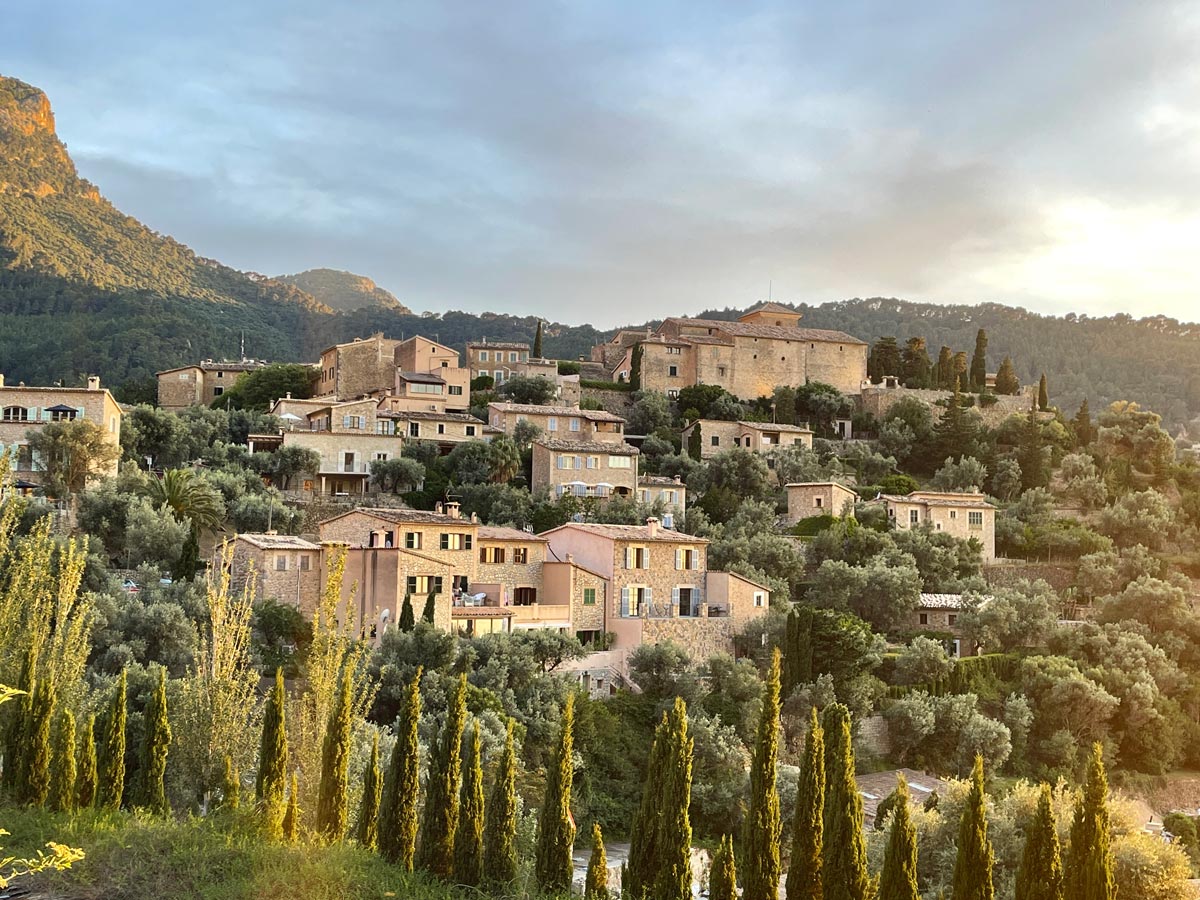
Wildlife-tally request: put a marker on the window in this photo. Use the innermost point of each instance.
(914, 516)
(593, 462)
(513, 356)
(384, 426)
(715, 441)
(552, 424)
(675, 351)
(574, 424)
(923, 618)
(720, 371)
(673, 371)
(305, 562)
(380, 457)
(218, 391)
(760, 599)
(455, 390)
(483, 356)
(620, 462)
(491, 555)
(952, 619)
(424, 584)
(589, 596)
(454, 540)
(818, 502)
(687, 558)
(975, 519)
(634, 599)
(441, 427)
(673, 394)
(281, 563)
(954, 514)
(566, 461)
(470, 431)
(524, 596)
(637, 557)
(414, 429)
(521, 555)
(412, 540)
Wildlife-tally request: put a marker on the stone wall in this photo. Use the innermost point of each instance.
(181, 389)
(1006, 573)
(701, 637)
(873, 737)
(878, 399)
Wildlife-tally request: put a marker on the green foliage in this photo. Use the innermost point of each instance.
(86, 782)
(110, 779)
(722, 878)
(468, 836)
(884, 359)
(556, 828)
(805, 879)
(797, 649)
(401, 787)
(37, 744)
(763, 824)
(1006, 378)
(63, 779)
(635, 367)
(979, 361)
(1043, 394)
(695, 446)
(71, 454)
(333, 802)
(440, 820)
(673, 879)
(407, 622)
(367, 829)
(499, 836)
(898, 880)
(291, 818)
(844, 862)
(270, 786)
(261, 387)
(528, 389)
(1040, 875)
(595, 883)
(231, 786)
(973, 866)
(428, 613)
(156, 743)
(1089, 869)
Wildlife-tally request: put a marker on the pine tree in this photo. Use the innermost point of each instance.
(955, 433)
(635, 367)
(1040, 875)
(884, 359)
(1006, 378)
(155, 745)
(291, 818)
(898, 881)
(961, 370)
(63, 776)
(1043, 394)
(333, 800)
(427, 615)
(39, 728)
(844, 855)
(804, 872)
(537, 342)
(760, 876)
(695, 447)
(595, 883)
(407, 622)
(556, 827)
(468, 837)
(916, 367)
(270, 787)
(1084, 433)
(499, 847)
(673, 880)
(641, 869)
(943, 373)
(973, 866)
(367, 831)
(722, 875)
(979, 361)
(401, 787)
(86, 780)
(440, 819)
(1090, 862)
(231, 786)
(110, 781)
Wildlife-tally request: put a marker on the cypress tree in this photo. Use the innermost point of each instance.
(1043, 394)
(635, 367)
(155, 745)
(1090, 863)
(537, 342)
(979, 361)
(1040, 875)
(110, 781)
(695, 447)
(1031, 456)
(38, 742)
(898, 881)
(86, 780)
(1006, 378)
(15, 761)
(440, 819)
(270, 787)
(943, 371)
(1084, 433)
(367, 831)
(406, 614)
(962, 369)
(973, 866)
(804, 871)
(641, 870)
(956, 430)
(844, 855)
(401, 787)
(231, 786)
(798, 650)
(916, 365)
(63, 780)
(468, 837)
(427, 615)
(595, 884)
(499, 847)
(556, 827)
(332, 799)
(722, 875)
(760, 877)
(673, 879)
(291, 818)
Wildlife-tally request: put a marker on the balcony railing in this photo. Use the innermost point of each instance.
(542, 612)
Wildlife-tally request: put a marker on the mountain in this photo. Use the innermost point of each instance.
(343, 291)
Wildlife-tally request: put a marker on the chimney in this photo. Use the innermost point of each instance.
(475, 518)
(271, 531)
(288, 396)
(652, 526)
(453, 510)
(678, 480)
(1, 380)
(437, 508)
(93, 383)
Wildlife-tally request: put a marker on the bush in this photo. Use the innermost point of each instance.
(812, 525)
(594, 385)
(568, 367)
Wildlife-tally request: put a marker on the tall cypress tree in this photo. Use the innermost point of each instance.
(291, 818)
(110, 781)
(1043, 394)
(499, 845)
(1082, 423)
(673, 880)
(367, 831)
(537, 342)
(844, 855)
(915, 364)
(1090, 862)
(270, 787)
(898, 881)
(39, 728)
(641, 870)
(440, 819)
(427, 614)
(956, 431)
(595, 883)
(155, 745)
(15, 761)
(231, 786)
(85, 782)
(401, 787)
(695, 446)
(556, 827)
(798, 649)
(63, 775)
(804, 872)
(332, 798)
(1040, 875)
(635, 367)
(468, 837)
(722, 875)
(1031, 453)
(760, 876)
(407, 622)
(973, 866)
(979, 361)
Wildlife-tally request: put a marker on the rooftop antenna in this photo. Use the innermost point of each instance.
(770, 290)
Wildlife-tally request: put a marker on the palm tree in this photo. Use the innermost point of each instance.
(189, 498)
(505, 459)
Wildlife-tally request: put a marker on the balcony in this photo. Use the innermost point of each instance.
(541, 614)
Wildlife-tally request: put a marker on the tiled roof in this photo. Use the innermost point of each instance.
(209, 365)
(612, 448)
(969, 500)
(778, 332)
(430, 416)
(639, 533)
(836, 484)
(278, 542)
(876, 786)
(422, 378)
(771, 307)
(655, 480)
(532, 409)
(773, 426)
(401, 515)
(940, 601)
(504, 533)
(496, 345)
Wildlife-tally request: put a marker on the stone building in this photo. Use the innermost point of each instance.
(559, 422)
(962, 514)
(500, 360)
(671, 492)
(445, 429)
(280, 567)
(819, 498)
(24, 409)
(750, 357)
(348, 436)
(202, 383)
(358, 367)
(584, 468)
(414, 374)
(939, 613)
(718, 435)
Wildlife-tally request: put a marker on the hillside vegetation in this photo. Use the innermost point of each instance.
(344, 291)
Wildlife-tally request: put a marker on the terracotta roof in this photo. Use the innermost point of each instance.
(496, 345)
(875, 787)
(532, 409)
(773, 426)
(401, 515)
(771, 307)
(277, 542)
(504, 533)
(917, 499)
(656, 480)
(612, 448)
(429, 416)
(632, 533)
(422, 378)
(777, 332)
(838, 484)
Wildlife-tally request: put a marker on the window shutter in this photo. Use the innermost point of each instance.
(645, 557)
(501, 554)
(345, 421)
(483, 554)
(678, 558)
(675, 598)
(628, 558)
(697, 600)
(649, 597)
(80, 413)
(624, 601)
(695, 559)
(578, 462)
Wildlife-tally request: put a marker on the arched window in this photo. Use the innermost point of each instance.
(15, 414)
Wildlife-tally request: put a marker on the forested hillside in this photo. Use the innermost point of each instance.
(343, 291)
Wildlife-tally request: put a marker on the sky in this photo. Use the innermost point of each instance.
(609, 162)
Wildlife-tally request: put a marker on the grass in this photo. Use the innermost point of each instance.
(134, 858)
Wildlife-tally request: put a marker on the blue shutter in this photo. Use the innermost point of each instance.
(624, 601)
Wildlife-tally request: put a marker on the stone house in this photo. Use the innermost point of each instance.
(610, 353)
(348, 436)
(358, 367)
(280, 567)
(445, 429)
(24, 409)
(500, 360)
(719, 435)
(584, 468)
(819, 498)
(561, 422)
(671, 492)
(939, 613)
(428, 377)
(202, 383)
(963, 514)
(511, 574)
(750, 357)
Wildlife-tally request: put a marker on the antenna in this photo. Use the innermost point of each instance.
(770, 290)
(243, 345)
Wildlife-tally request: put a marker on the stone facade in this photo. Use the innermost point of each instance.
(939, 613)
(824, 498)
(559, 422)
(670, 492)
(584, 468)
(500, 360)
(877, 399)
(201, 384)
(359, 367)
(280, 567)
(719, 435)
(444, 429)
(346, 458)
(24, 409)
(964, 515)
(428, 377)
